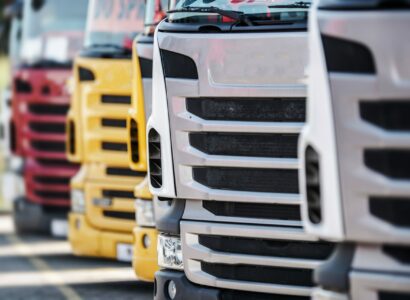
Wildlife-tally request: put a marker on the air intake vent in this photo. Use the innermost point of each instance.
(22, 86)
(106, 122)
(271, 248)
(253, 210)
(249, 109)
(154, 155)
(71, 137)
(392, 163)
(399, 253)
(115, 99)
(146, 67)
(178, 66)
(312, 170)
(118, 194)
(48, 146)
(389, 115)
(346, 56)
(246, 144)
(85, 74)
(48, 109)
(392, 210)
(111, 146)
(134, 141)
(119, 215)
(57, 128)
(248, 179)
(260, 274)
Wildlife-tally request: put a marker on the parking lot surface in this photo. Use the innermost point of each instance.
(39, 267)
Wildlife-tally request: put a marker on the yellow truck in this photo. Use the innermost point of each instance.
(102, 216)
(145, 235)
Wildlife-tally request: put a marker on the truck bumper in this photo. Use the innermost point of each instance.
(32, 217)
(144, 261)
(185, 290)
(86, 240)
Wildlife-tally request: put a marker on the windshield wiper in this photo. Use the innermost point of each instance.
(234, 15)
(300, 4)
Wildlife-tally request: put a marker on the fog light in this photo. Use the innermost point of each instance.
(170, 252)
(172, 289)
(144, 210)
(146, 241)
(77, 201)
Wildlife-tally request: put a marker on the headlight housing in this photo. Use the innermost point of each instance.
(77, 201)
(144, 213)
(170, 252)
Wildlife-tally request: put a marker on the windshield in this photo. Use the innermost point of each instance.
(155, 12)
(114, 23)
(254, 12)
(52, 30)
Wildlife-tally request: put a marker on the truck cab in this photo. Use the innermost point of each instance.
(355, 148)
(102, 193)
(52, 33)
(145, 235)
(228, 106)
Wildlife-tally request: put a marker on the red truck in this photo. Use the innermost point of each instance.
(52, 34)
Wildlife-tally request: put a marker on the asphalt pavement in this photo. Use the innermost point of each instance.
(41, 267)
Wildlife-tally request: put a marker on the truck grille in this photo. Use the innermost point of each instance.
(48, 146)
(49, 127)
(390, 115)
(48, 109)
(248, 109)
(248, 179)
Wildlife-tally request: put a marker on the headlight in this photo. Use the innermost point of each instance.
(144, 213)
(170, 252)
(77, 201)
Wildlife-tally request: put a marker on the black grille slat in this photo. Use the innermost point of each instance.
(119, 123)
(118, 194)
(48, 109)
(119, 215)
(249, 109)
(393, 163)
(52, 180)
(393, 296)
(392, 210)
(124, 172)
(53, 195)
(399, 253)
(246, 144)
(389, 115)
(55, 163)
(58, 128)
(48, 146)
(248, 179)
(111, 146)
(239, 295)
(253, 210)
(260, 274)
(115, 99)
(154, 156)
(271, 248)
